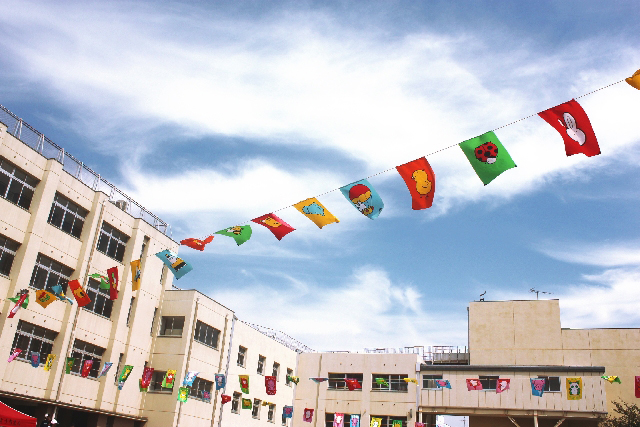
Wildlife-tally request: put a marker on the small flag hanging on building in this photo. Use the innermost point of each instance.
(316, 212)
(112, 274)
(142, 389)
(442, 383)
(183, 394)
(49, 362)
(397, 423)
(44, 298)
(147, 373)
(352, 383)
(196, 244)
(634, 81)
(226, 398)
(105, 368)
(21, 300)
(188, 380)
(244, 383)
(68, 366)
(474, 384)
(338, 420)
(270, 384)
(206, 396)
(14, 354)
(178, 266)
(410, 380)
(239, 233)
(364, 198)
(307, 416)
(573, 124)
(487, 156)
(35, 359)
(421, 182)
(612, 379)
(419, 425)
(376, 422)
(287, 412)
(246, 404)
(277, 226)
(382, 382)
(502, 384)
(169, 377)
(355, 420)
(637, 386)
(221, 381)
(59, 293)
(537, 386)
(86, 367)
(126, 371)
(80, 295)
(293, 379)
(318, 380)
(574, 388)
(136, 274)
(104, 280)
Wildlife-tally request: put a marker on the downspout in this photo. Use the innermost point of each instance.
(226, 372)
(315, 422)
(186, 369)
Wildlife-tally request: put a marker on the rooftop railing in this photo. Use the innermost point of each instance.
(282, 338)
(50, 150)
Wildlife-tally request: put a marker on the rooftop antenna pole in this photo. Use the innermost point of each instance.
(538, 292)
(481, 295)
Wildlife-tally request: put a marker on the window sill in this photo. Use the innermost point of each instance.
(6, 276)
(99, 315)
(115, 259)
(68, 234)
(206, 345)
(343, 389)
(200, 400)
(169, 393)
(390, 391)
(75, 374)
(17, 205)
(169, 336)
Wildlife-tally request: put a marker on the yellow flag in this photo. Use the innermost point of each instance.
(634, 80)
(410, 380)
(376, 422)
(44, 298)
(49, 362)
(136, 274)
(574, 388)
(316, 212)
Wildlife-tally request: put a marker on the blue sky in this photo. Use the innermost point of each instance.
(210, 114)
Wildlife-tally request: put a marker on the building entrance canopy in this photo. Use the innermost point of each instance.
(11, 417)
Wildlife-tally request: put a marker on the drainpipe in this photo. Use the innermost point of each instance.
(226, 372)
(186, 369)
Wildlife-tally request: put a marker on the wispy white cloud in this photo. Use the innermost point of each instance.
(605, 254)
(367, 310)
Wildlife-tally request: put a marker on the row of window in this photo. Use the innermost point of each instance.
(387, 420)
(242, 360)
(490, 382)
(255, 409)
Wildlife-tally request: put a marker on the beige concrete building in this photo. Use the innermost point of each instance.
(61, 221)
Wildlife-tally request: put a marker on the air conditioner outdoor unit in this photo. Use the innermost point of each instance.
(122, 204)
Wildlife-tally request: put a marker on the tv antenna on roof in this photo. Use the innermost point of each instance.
(539, 292)
(481, 295)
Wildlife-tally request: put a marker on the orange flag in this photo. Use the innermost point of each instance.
(421, 182)
(81, 296)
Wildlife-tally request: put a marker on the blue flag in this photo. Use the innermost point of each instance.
(188, 380)
(287, 412)
(221, 381)
(364, 198)
(442, 383)
(537, 386)
(178, 266)
(35, 359)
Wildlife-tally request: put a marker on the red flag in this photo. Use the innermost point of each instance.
(112, 273)
(573, 124)
(308, 415)
(352, 383)
(421, 182)
(146, 377)
(474, 384)
(270, 385)
(86, 368)
(226, 398)
(196, 243)
(638, 387)
(81, 296)
(19, 302)
(278, 227)
(502, 384)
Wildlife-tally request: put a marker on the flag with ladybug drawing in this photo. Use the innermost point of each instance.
(575, 128)
(487, 156)
(421, 182)
(278, 227)
(196, 244)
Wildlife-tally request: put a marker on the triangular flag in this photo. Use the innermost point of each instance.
(352, 383)
(316, 212)
(147, 373)
(105, 368)
(177, 265)
(277, 226)
(14, 354)
(239, 233)
(126, 371)
(196, 244)
(49, 362)
(443, 383)
(487, 156)
(338, 420)
(293, 379)
(35, 359)
(81, 296)
(376, 422)
(571, 121)
(287, 412)
(190, 378)
(221, 381)
(612, 379)
(136, 275)
(421, 182)
(364, 198)
(318, 380)
(634, 81)
(355, 420)
(225, 398)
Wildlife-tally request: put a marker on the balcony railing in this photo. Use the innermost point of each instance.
(50, 150)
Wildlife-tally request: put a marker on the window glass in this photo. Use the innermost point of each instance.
(206, 334)
(100, 302)
(8, 250)
(337, 381)
(261, 360)
(199, 387)
(112, 242)
(67, 216)
(156, 382)
(172, 325)
(242, 352)
(551, 384)
(235, 403)
(16, 185)
(86, 351)
(30, 337)
(387, 382)
(489, 382)
(255, 411)
(48, 273)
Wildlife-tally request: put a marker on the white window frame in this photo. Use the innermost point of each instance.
(337, 380)
(85, 354)
(7, 253)
(4, 166)
(242, 354)
(255, 410)
(69, 210)
(261, 361)
(428, 381)
(96, 294)
(50, 270)
(33, 338)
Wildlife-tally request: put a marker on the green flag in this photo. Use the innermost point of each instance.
(69, 365)
(25, 303)
(381, 381)
(183, 393)
(487, 156)
(246, 404)
(397, 423)
(104, 280)
(239, 233)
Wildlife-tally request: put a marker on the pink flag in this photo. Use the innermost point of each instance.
(338, 420)
(473, 384)
(15, 354)
(270, 385)
(419, 425)
(502, 385)
(307, 416)
(146, 377)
